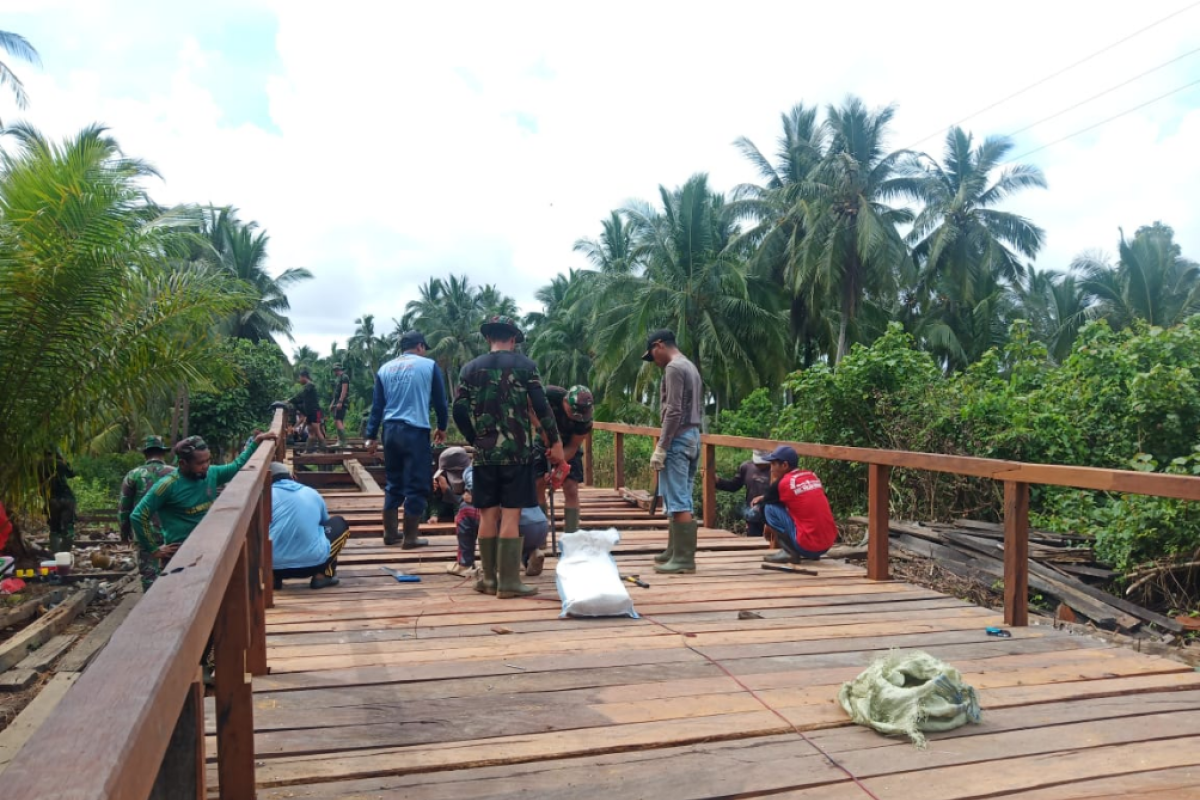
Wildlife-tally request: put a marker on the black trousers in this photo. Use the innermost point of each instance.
(337, 531)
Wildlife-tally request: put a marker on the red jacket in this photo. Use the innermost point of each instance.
(802, 494)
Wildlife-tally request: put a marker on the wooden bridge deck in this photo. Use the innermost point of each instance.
(386, 690)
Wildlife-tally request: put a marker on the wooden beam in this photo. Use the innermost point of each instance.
(15, 649)
(709, 491)
(234, 702)
(618, 460)
(83, 653)
(363, 478)
(19, 731)
(256, 610)
(1016, 553)
(182, 774)
(878, 543)
(589, 463)
(268, 552)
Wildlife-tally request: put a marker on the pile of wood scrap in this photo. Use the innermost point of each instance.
(1058, 565)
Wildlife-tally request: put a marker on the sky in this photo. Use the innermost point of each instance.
(381, 144)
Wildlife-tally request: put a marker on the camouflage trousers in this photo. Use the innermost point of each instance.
(149, 567)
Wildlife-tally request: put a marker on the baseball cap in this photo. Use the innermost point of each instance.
(760, 456)
(154, 443)
(303, 373)
(410, 339)
(280, 470)
(337, 366)
(661, 335)
(785, 454)
(499, 325)
(579, 398)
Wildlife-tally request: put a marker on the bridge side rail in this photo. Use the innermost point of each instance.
(132, 726)
(1017, 477)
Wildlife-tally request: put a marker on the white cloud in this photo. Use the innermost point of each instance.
(484, 138)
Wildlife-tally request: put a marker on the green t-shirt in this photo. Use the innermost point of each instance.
(181, 502)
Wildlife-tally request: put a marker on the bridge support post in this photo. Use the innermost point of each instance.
(257, 581)
(878, 543)
(1016, 554)
(181, 775)
(709, 491)
(618, 460)
(234, 699)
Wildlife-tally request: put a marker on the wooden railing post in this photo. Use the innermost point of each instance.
(878, 542)
(1016, 553)
(181, 775)
(256, 656)
(709, 491)
(618, 460)
(234, 700)
(268, 554)
(589, 463)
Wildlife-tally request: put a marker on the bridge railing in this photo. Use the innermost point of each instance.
(1017, 477)
(132, 726)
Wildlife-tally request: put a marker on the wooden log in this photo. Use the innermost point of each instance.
(16, 648)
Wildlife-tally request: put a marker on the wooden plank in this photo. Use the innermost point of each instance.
(235, 709)
(709, 486)
(618, 460)
(98, 636)
(878, 540)
(18, 732)
(1016, 553)
(16, 648)
(28, 609)
(182, 775)
(41, 659)
(17, 679)
(364, 480)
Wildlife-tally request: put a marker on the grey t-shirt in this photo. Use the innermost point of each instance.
(680, 397)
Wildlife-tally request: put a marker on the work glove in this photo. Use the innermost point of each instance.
(659, 459)
(558, 474)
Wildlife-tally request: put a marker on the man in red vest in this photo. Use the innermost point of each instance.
(796, 509)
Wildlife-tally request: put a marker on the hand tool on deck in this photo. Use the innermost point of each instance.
(786, 568)
(636, 580)
(1003, 634)
(401, 575)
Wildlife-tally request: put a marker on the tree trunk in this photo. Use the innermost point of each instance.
(186, 411)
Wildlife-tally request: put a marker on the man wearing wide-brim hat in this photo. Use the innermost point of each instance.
(134, 487)
(496, 393)
(677, 454)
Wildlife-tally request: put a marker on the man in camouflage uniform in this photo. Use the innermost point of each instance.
(339, 402)
(496, 393)
(573, 413)
(60, 502)
(135, 486)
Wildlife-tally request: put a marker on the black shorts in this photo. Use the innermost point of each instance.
(339, 414)
(507, 486)
(541, 465)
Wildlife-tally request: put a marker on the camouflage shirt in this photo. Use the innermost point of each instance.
(492, 408)
(568, 429)
(134, 488)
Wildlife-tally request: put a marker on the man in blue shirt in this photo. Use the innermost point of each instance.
(305, 540)
(404, 389)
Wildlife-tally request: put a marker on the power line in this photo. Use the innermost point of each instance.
(1101, 94)
(1103, 121)
(1054, 75)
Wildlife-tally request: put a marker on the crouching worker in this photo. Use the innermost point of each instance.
(305, 540)
(796, 510)
(534, 527)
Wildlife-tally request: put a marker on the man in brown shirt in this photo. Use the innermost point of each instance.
(677, 454)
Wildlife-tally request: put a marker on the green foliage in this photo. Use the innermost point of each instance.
(224, 418)
(106, 471)
(92, 495)
(755, 417)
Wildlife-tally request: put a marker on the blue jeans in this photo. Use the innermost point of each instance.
(778, 518)
(408, 465)
(676, 479)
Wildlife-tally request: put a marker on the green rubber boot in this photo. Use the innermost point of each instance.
(570, 520)
(411, 541)
(665, 555)
(508, 567)
(683, 560)
(391, 525)
(487, 566)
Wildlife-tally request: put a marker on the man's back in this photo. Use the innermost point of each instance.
(138, 481)
(297, 538)
(494, 394)
(802, 494)
(409, 383)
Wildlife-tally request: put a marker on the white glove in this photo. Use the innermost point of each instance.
(659, 459)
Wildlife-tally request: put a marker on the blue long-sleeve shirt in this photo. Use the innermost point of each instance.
(405, 387)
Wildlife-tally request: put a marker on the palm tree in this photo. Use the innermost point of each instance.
(560, 337)
(95, 323)
(851, 249)
(1057, 306)
(16, 45)
(612, 253)
(695, 284)
(304, 356)
(370, 349)
(1152, 281)
(241, 250)
(778, 208)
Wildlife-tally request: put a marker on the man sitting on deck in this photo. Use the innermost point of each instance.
(305, 540)
(796, 510)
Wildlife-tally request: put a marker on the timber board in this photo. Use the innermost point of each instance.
(391, 690)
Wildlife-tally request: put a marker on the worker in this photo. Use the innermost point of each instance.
(134, 487)
(498, 393)
(755, 475)
(796, 510)
(60, 502)
(677, 454)
(448, 483)
(534, 527)
(308, 403)
(405, 387)
(573, 415)
(181, 499)
(305, 540)
(338, 403)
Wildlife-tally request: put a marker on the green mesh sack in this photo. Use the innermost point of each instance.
(908, 692)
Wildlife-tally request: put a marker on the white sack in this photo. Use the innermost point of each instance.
(589, 582)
